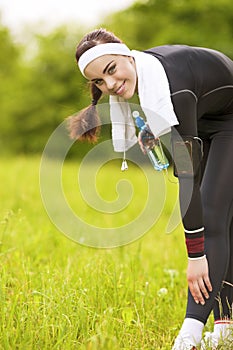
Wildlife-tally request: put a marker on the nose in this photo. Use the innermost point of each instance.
(110, 83)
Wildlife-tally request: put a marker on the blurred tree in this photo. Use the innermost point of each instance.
(44, 90)
(150, 23)
(9, 66)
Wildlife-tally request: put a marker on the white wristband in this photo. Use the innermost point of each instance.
(199, 258)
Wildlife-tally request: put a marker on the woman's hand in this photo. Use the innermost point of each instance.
(143, 149)
(198, 279)
(146, 140)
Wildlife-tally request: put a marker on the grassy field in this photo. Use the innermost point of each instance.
(57, 294)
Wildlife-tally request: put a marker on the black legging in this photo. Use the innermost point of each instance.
(217, 200)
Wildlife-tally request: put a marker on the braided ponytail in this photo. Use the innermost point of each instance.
(86, 124)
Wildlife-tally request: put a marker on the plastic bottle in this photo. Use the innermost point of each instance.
(152, 145)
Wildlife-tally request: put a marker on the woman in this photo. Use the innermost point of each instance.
(192, 88)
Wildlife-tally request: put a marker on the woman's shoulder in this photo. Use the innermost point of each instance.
(165, 50)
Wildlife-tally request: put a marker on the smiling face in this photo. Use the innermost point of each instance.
(113, 75)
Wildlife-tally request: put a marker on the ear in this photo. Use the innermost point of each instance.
(131, 59)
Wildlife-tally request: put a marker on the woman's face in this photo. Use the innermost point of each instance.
(113, 75)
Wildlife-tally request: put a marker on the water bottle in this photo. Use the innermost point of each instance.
(153, 146)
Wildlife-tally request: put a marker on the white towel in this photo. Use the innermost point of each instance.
(155, 101)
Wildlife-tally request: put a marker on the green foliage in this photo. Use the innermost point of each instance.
(149, 23)
(42, 86)
(43, 91)
(9, 67)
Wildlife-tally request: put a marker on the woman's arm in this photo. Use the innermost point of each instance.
(187, 155)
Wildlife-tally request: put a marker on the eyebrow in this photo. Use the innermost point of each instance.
(104, 71)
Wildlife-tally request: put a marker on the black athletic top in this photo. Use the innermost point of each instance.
(201, 85)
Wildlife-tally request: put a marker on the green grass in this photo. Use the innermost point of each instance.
(57, 294)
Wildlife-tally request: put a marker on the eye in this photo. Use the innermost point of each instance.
(98, 82)
(112, 69)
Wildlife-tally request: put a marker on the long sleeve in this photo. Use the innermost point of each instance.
(187, 153)
(191, 211)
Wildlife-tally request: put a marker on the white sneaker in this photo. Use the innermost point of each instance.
(182, 344)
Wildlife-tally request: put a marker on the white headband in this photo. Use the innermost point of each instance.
(100, 50)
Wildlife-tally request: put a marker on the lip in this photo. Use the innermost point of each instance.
(121, 89)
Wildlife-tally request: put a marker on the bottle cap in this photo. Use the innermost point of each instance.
(135, 114)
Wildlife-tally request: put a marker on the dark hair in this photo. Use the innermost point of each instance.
(86, 125)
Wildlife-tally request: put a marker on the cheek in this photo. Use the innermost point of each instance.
(127, 74)
(133, 76)
(103, 88)
(132, 72)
